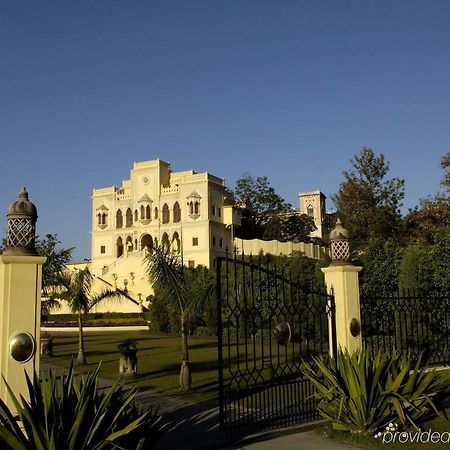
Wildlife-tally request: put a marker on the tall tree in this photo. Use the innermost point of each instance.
(367, 201)
(445, 164)
(288, 226)
(261, 202)
(266, 215)
(167, 275)
(54, 266)
(77, 289)
(425, 222)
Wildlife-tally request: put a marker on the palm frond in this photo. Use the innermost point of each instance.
(165, 271)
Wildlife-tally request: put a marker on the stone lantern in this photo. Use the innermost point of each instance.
(340, 248)
(21, 235)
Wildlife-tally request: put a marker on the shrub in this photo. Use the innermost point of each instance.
(202, 331)
(363, 392)
(76, 415)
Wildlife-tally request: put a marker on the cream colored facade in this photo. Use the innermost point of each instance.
(256, 246)
(313, 205)
(188, 211)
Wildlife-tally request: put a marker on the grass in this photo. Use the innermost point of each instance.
(159, 359)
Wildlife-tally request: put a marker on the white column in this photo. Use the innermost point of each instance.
(20, 310)
(342, 281)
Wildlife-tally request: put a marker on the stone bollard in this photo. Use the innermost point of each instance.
(128, 358)
(46, 345)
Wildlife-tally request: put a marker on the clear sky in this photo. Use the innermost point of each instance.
(287, 89)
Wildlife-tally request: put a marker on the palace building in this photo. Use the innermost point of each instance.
(188, 211)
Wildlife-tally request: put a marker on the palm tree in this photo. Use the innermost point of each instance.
(76, 289)
(167, 275)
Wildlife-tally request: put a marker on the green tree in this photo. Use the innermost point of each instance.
(77, 289)
(169, 279)
(54, 266)
(412, 258)
(424, 222)
(445, 164)
(381, 268)
(367, 202)
(266, 214)
(261, 202)
(288, 227)
(433, 272)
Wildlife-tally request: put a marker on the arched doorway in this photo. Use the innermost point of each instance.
(129, 244)
(165, 241)
(119, 247)
(146, 243)
(176, 242)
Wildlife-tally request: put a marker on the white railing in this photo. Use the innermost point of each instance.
(170, 190)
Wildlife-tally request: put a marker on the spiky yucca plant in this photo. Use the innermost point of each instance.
(363, 392)
(67, 414)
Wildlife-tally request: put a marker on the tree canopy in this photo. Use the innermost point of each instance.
(267, 215)
(367, 201)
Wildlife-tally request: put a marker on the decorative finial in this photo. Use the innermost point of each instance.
(340, 248)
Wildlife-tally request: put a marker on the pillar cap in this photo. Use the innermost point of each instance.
(339, 242)
(22, 207)
(22, 216)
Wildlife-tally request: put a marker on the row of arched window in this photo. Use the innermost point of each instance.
(148, 243)
(145, 213)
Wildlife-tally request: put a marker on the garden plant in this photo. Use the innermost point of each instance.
(364, 392)
(66, 414)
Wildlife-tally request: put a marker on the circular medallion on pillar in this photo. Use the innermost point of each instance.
(22, 346)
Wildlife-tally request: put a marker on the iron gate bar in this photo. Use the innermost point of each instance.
(409, 321)
(264, 388)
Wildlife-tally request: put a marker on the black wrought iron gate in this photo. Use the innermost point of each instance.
(267, 325)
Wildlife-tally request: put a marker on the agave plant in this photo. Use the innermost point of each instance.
(364, 392)
(67, 414)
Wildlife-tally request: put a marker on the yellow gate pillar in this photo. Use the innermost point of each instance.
(341, 278)
(20, 299)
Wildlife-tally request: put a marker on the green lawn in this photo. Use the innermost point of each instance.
(159, 358)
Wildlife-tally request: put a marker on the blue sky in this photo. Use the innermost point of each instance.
(287, 89)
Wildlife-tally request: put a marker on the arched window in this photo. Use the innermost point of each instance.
(136, 215)
(156, 213)
(129, 244)
(104, 219)
(310, 211)
(147, 212)
(129, 218)
(119, 247)
(193, 202)
(176, 242)
(142, 212)
(119, 219)
(176, 212)
(165, 241)
(165, 214)
(146, 243)
(99, 218)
